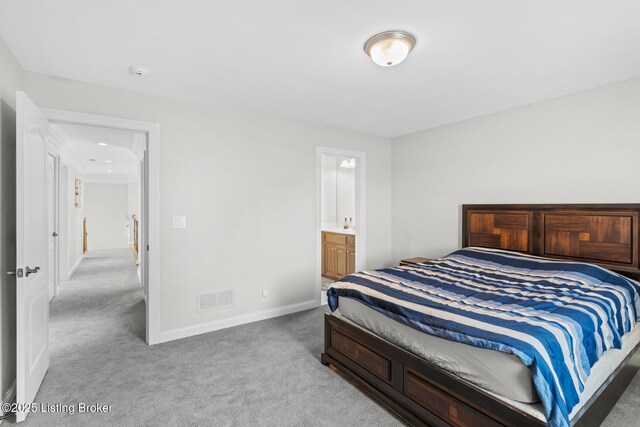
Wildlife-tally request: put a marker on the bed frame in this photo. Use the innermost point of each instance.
(424, 394)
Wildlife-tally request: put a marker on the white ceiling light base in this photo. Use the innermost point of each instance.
(390, 48)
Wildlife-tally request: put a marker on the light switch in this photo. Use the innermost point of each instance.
(179, 222)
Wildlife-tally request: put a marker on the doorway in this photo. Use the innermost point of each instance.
(146, 223)
(340, 216)
(53, 193)
(97, 172)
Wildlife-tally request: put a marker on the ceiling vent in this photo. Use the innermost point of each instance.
(216, 300)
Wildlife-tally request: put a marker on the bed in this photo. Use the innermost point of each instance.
(432, 373)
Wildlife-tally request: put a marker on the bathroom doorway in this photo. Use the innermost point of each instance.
(340, 225)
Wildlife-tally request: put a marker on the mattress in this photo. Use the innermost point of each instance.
(502, 374)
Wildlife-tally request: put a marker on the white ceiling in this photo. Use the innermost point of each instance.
(304, 59)
(117, 158)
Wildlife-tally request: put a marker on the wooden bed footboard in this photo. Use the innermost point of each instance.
(424, 394)
(412, 387)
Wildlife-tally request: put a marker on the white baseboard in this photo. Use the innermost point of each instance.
(75, 266)
(9, 397)
(203, 328)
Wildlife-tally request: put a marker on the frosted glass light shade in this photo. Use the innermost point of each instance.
(348, 163)
(390, 48)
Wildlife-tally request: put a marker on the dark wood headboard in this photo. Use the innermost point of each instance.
(603, 234)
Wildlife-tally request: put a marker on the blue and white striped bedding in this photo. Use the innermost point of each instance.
(557, 317)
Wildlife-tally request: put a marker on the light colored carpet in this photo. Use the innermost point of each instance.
(262, 374)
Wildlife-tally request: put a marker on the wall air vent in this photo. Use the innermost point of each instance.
(216, 300)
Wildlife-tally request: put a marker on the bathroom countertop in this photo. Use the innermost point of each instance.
(337, 228)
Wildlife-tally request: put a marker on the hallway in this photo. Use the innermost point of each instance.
(103, 299)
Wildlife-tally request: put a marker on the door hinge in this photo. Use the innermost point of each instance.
(147, 247)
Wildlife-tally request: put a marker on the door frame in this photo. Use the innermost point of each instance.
(63, 226)
(361, 210)
(150, 210)
(53, 152)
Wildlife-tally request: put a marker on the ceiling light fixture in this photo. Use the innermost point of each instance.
(107, 161)
(390, 48)
(348, 163)
(109, 170)
(104, 144)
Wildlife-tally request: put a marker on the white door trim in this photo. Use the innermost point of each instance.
(361, 210)
(54, 153)
(63, 223)
(152, 130)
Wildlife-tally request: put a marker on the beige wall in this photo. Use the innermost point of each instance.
(328, 189)
(106, 207)
(345, 194)
(581, 148)
(246, 183)
(11, 79)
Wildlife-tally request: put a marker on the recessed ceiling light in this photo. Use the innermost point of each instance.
(139, 70)
(107, 161)
(109, 170)
(390, 48)
(104, 144)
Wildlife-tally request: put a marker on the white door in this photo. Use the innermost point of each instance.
(51, 200)
(32, 294)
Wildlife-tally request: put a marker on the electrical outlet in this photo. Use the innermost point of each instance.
(265, 294)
